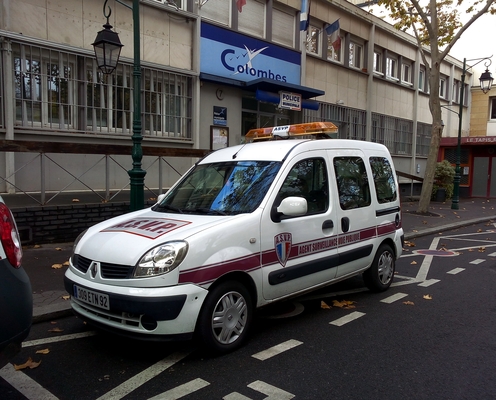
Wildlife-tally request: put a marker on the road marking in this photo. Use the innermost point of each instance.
(478, 261)
(428, 282)
(182, 390)
(151, 372)
(348, 318)
(235, 396)
(58, 339)
(492, 255)
(455, 271)
(275, 350)
(24, 384)
(393, 298)
(272, 392)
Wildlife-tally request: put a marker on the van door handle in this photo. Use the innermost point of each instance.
(328, 224)
(345, 224)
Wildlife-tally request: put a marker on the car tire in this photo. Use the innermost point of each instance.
(380, 275)
(226, 317)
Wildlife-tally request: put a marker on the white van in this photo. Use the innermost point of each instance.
(244, 227)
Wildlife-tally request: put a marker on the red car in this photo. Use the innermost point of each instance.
(16, 298)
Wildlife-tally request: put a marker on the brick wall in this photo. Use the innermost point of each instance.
(63, 223)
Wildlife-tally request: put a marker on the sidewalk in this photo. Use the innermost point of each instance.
(45, 264)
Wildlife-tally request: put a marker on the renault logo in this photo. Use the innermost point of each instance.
(94, 268)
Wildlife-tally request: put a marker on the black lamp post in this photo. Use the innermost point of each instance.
(107, 50)
(486, 81)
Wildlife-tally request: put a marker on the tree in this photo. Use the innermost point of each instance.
(436, 26)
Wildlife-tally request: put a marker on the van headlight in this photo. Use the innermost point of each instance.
(161, 259)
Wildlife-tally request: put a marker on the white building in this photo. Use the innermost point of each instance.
(209, 73)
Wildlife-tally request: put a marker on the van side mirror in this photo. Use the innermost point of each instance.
(290, 207)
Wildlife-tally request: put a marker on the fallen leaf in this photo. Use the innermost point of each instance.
(67, 297)
(66, 264)
(44, 351)
(36, 246)
(28, 364)
(344, 303)
(413, 263)
(470, 249)
(409, 244)
(415, 230)
(409, 303)
(58, 248)
(57, 266)
(75, 200)
(482, 249)
(424, 222)
(56, 330)
(324, 305)
(479, 230)
(427, 297)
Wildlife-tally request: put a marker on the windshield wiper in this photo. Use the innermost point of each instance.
(161, 207)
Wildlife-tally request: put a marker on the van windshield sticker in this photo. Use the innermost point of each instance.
(148, 227)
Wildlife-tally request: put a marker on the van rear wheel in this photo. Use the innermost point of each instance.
(380, 274)
(226, 317)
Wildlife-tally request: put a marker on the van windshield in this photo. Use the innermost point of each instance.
(225, 188)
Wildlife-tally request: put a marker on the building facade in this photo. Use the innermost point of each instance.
(210, 71)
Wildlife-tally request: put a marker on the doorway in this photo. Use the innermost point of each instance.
(484, 177)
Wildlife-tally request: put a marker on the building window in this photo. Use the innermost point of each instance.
(392, 68)
(455, 93)
(218, 11)
(406, 73)
(59, 90)
(442, 88)
(252, 21)
(378, 63)
(333, 55)
(493, 108)
(283, 27)
(356, 55)
(313, 40)
(421, 81)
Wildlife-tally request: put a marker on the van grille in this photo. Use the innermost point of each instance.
(108, 270)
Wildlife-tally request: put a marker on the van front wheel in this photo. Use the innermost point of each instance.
(226, 317)
(380, 274)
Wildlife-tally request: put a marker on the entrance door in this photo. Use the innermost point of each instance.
(484, 177)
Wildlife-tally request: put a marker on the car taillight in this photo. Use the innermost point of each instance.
(10, 236)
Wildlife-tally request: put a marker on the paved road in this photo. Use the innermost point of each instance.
(431, 336)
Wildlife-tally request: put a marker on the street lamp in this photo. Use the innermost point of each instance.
(107, 49)
(486, 81)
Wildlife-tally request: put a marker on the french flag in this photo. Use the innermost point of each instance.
(333, 32)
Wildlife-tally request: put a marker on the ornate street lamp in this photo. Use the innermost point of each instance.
(486, 81)
(107, 49)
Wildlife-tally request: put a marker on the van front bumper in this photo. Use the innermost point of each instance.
(159, 312)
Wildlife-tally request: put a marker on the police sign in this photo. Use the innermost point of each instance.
(290, 101)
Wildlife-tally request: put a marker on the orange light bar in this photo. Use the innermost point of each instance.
(287, 131)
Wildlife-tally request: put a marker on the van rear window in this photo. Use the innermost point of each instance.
(385, 186)
(353, 183)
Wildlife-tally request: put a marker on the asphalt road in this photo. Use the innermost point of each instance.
(431, 336)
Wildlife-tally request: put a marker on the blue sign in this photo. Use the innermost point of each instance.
(232, 55)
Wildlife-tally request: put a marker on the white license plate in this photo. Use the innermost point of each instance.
(90, 297)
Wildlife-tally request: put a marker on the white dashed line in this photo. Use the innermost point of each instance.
(428, 282)
(348, 318)
(55, 339)
(492, 255)
(31, 389)
(272, 392)
(182, 390)
(393, 298)
(478, 261)
(274, 351)
(455, 271)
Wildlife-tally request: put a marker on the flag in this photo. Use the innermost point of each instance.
(333, 33)
(240, 4)
(304, 15)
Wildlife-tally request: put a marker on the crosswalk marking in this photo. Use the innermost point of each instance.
(272, 392)
(182, 390)
(393, 298)
(347, 318)
(428, 282)
(455, 271)
(235, 396)
(275, 350)
(477, 261)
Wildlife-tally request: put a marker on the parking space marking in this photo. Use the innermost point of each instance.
(144, 376)
(55, 339)
(275, 350)
(477, 261)
(492, 255)
(428, 282)
(31, 389)
(182, 390)
(272, 392)
(455, 271)
(393, 298)
(347, 318)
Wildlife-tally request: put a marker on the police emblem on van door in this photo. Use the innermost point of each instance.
(282, 243)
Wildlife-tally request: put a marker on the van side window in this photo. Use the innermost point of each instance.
(383, 179)
(352, 181)
(308, 179)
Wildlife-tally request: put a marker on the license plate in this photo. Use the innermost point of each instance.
(96, 299)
